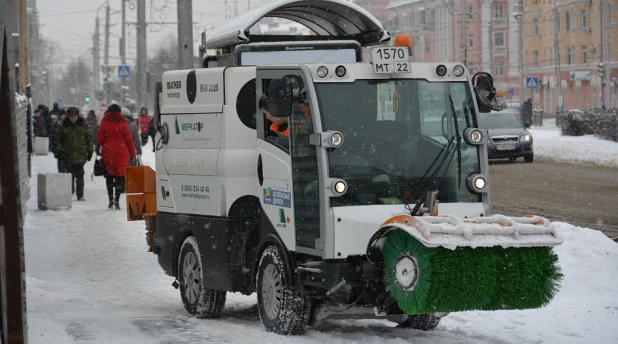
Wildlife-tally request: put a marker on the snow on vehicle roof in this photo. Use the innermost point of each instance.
(334, 18)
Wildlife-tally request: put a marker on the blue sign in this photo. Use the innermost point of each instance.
(58, 101)
(532, 82)
(277, 198)
(124, 71)
(511, 92)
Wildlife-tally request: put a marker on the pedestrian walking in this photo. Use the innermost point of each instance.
(91, 118)
(143, 122)
(152, 132)
(134, 135)
(53, 136)
(39, 125)
(101, 113)
(117, 148)
(74, 146)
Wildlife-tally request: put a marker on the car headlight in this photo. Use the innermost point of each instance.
(526, 138)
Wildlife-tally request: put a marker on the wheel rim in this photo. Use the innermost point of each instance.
(271, 291)
(406, 272)
(191, 277)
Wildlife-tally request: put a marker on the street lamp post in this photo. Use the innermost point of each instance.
(519, 17)
(46, 73)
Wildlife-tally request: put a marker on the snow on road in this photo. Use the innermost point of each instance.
(550, 145)
(90, 280)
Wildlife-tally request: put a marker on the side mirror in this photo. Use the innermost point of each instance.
(280, 97)
(485, 92)
(156, 118)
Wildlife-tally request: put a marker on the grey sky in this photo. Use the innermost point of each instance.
(71, 23)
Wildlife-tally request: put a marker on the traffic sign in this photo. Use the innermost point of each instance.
(58, 101)
(511, 92)
(124, 71)
(532, 82)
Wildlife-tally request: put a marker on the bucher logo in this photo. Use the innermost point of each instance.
(197, 126)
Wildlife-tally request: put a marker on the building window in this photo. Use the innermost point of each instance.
(499, 68)
(568, 55)
(536, 26)
(423, 17)
(536, 58)
(498, 11)
(426, 44)
(499, 39)
(470, 11)
(568, 21)
(470, 41)
(471, 67)
(584, 54)
(410, 21)
(584, 19)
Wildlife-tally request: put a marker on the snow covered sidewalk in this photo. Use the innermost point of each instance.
(550, 145)
(90, 280)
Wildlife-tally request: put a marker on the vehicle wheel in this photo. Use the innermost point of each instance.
(282, 310)
(529, 158)
(423, 322)
(513, 158)
(199, 301)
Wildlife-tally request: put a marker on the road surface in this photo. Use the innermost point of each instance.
(585, 196)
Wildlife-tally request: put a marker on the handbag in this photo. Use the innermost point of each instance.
(99, 167)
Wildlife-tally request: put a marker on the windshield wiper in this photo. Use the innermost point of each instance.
(446, 150)
(458, 136)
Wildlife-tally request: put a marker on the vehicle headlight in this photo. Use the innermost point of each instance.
(336, 139)
(458, 70)
(526, 138)
(479, 183)
(322, 72)
(339, 187)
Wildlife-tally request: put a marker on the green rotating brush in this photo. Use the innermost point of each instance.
(431, 280)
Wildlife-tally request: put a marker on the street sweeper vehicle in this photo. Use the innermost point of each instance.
(333, 189)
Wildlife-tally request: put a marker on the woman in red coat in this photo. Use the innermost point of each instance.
(117, 147)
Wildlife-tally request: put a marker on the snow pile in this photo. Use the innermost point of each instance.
(550, 145)
(90, 280)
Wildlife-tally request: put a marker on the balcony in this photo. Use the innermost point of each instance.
(500, 51)
(498, 23)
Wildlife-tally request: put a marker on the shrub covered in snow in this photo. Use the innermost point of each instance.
(602, 123)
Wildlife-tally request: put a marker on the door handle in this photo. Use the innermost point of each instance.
(260, 170)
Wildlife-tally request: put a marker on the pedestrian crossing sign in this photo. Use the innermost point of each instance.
(532, 82)
(124, 71)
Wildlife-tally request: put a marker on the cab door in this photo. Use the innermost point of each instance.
(288, 171)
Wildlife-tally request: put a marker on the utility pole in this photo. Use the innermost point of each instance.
(557, 57)
(607, 95)
(491, 48)
(95, 55)
(464, 41)
(185, 34)
(123, 44)
(141, 53)
(106, 57)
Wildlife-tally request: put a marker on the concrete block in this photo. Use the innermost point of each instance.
(54, 191)
(41, 145)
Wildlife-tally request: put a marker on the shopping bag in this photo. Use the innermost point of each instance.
(99, 167)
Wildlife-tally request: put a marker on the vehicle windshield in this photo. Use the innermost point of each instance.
(394, 133)
(499, 121)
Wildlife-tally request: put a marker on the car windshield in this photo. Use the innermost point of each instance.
(499, 121)
(396, 131)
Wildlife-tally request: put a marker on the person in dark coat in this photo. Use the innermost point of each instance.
(134, 134)
(39, 125)
(62, 168)
(117, 148)
(152, 132)
(74, 145)
(91, 118)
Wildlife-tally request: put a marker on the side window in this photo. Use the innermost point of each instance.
(276, 129)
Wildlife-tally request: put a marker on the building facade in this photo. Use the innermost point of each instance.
(580, 32)
(491, 37)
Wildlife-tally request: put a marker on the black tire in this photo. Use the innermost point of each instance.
(198, 301)
(423, 322)
(513, 158)
(529, 158)
(282, 309)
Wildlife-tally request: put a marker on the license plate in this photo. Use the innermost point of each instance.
(391, 60)
(506, 147)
